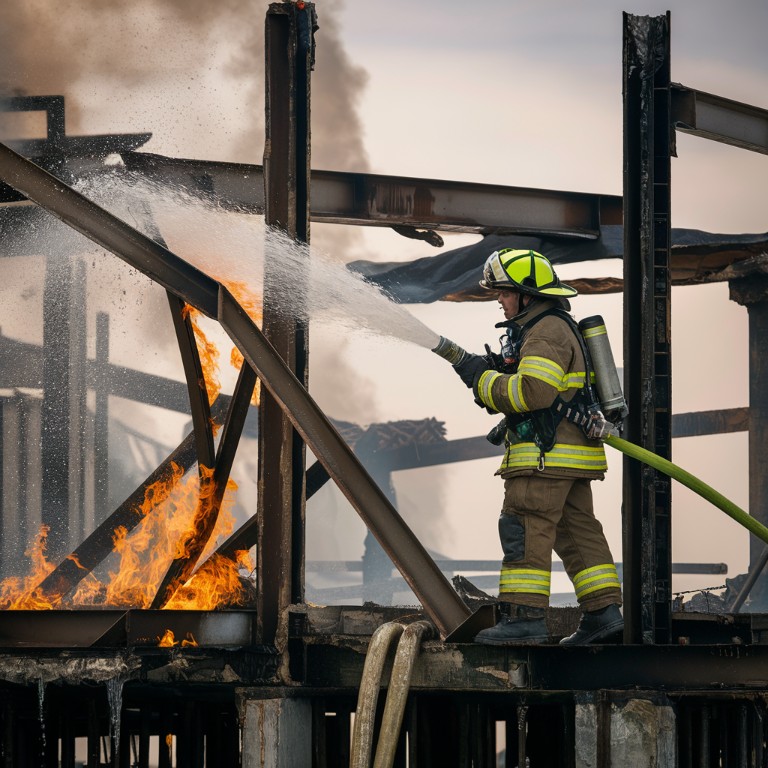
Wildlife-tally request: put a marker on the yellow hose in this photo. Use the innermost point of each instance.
(688, 480)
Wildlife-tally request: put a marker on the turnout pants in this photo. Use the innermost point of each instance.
(542, 514)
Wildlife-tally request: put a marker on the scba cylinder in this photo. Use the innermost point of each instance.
(612, 402)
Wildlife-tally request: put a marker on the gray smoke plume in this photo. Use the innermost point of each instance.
(191, 72)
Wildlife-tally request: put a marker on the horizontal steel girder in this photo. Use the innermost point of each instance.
(120, 628)
(720, 119)
(540, 668)
(369, 200)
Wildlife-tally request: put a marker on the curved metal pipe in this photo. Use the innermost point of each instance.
(365, 715)
(397, 694)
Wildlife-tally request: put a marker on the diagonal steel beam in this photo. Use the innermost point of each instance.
(438, 597)
(209, 504)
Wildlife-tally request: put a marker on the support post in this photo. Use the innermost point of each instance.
(648, 145)
(280, 554)
(276, 732)
(752, 292)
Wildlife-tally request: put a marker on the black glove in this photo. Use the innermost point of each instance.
(470, 368)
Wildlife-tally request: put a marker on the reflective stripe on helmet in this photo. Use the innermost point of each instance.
(523, 270)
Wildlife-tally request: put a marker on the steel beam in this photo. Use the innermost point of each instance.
(719, 670)
(438, 597)
(289, 52)
(752, 292)
(108, 231)
(209, 503)
(647, 348)
(365, 199)
(720, 119)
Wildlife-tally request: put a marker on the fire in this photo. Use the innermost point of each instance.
(168, 640)
(16, 593)
(253, 306)
(174, 512)
(209, 355)
(141, 557)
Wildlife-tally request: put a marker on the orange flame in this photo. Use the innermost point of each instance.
(18, 593)
(209, 355)
(142, 556)
(253, 305)
(168, 640)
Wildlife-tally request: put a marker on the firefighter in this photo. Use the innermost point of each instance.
(549, 463)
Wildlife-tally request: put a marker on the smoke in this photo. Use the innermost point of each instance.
(190, 72)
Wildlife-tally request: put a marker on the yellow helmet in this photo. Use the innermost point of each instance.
(524, 271)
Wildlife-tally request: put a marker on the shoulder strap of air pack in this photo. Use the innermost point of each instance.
(546, 420)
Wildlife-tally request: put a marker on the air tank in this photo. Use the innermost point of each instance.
(612, 402)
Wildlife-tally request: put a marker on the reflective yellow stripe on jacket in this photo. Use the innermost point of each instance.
(596, 578)
(525, 455)
(528, 580)
(540, 368)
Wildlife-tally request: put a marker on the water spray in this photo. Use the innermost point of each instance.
(450, 351)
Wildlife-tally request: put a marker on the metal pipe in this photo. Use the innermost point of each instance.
(754, 572)
(367, 698)
(397, 694)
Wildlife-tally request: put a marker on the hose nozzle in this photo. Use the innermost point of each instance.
(450, 351)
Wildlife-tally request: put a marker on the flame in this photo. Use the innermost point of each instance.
(168, 528)
(141, 557)
(168, 640)
(166, 532)
(254, 307)
(18, 593)
(209, 355)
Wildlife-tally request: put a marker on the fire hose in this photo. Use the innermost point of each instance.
(455, 355)
(690, 481)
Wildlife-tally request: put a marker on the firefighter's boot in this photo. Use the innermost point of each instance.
(596, 626)
(519, 625)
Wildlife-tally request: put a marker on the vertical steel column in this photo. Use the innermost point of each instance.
(647, 364)
(752, 292)
(101, 422)
(56, 403)
(280, 548)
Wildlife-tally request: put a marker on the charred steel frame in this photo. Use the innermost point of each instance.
(186, 284)
(652, 106)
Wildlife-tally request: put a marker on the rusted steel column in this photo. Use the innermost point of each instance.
(752, 292)
(647, 365)
(280, 547)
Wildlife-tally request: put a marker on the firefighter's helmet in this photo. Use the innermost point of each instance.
(525, 271)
